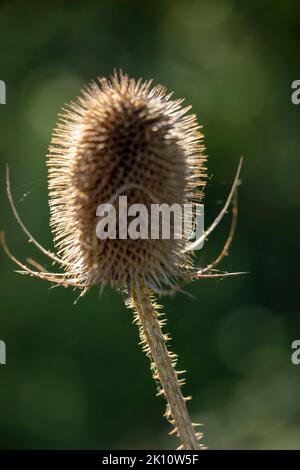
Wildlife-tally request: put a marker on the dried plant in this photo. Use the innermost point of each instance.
(122, 136)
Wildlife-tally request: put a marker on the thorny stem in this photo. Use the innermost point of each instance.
(163, 366)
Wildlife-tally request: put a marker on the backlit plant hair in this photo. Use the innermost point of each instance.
(124, 137)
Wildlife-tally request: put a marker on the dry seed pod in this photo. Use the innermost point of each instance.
(122, 137)
(121, 134)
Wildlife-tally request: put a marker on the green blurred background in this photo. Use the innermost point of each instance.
(75, 375)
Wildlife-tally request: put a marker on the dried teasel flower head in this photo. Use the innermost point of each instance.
(122, 137)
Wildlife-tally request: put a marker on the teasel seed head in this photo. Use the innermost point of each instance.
(122, 137)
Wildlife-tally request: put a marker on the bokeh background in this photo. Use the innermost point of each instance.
(75, 375)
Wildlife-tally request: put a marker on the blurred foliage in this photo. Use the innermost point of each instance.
(76, 377)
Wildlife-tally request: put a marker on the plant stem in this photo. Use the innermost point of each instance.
(163, 366)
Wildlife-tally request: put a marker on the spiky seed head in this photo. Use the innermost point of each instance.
(121, 133)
